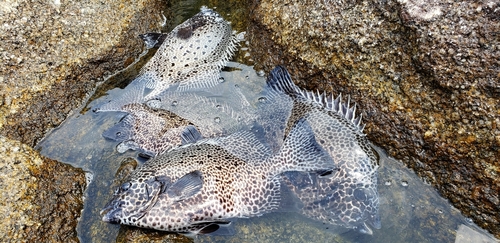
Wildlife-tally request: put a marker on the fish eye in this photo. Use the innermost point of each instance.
(125, 186)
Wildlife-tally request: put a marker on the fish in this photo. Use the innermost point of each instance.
(348, 197)
(144, 129)
(154, 127)
(202, 186)
(191, 56)
(267, 113)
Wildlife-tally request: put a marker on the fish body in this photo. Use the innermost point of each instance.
(191, 55)
(349, 196)
(201, 186)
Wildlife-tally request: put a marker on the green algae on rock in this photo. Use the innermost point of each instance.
(425, 74)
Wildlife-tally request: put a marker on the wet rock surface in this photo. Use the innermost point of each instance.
(426, 75)
(53, 54)
(59, 197)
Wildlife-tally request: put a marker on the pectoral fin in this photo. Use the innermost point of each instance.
(186, 186)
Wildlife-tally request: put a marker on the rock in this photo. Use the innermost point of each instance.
(53, 54)
(425, 74)
(138, 235)
(41, 198)
(52, 59)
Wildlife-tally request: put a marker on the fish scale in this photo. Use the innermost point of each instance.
(348, 197)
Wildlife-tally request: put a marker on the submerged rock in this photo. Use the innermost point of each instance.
(425, 73)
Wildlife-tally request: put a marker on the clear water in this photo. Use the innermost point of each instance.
(411, 210)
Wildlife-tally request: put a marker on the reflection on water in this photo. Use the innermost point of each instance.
(411, 211)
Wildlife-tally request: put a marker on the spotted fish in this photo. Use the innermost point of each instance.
(234, 112)
(156, 127)
(191, 55)
(199, 187)
(349, 196)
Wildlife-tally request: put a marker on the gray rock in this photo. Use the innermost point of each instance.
(426, 75)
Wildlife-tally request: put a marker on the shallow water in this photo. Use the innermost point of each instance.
(411, 210)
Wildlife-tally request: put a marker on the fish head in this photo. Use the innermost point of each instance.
(137, 202)
(362, 211)
(358, 203)
(133, 199)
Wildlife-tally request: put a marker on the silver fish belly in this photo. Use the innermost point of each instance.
(349, 196)
(202, 185)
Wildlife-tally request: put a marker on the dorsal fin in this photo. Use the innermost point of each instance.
(190, 135)
(279, 79)
(133, 95)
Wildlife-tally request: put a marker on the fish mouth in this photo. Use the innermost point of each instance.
(111, 216)
(110, 213)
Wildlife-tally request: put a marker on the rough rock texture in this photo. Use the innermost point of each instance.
(426, 75)
(137, 235)
(52, 59)
(41, 198)
(59, 201)
(52, 55)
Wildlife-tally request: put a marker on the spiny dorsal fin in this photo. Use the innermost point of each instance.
(279, 79)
